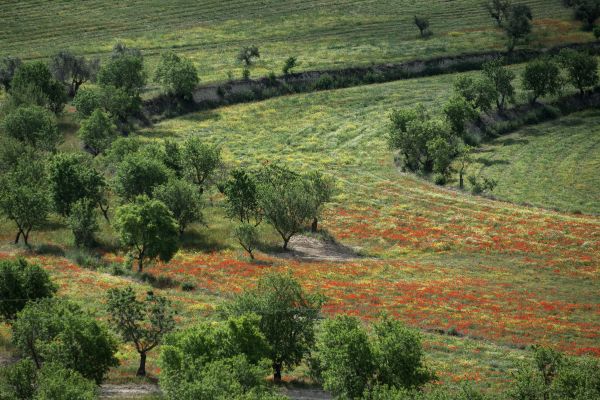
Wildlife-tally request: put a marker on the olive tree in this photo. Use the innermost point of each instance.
(141, 322)
(73, 71)
(422, 24)
(241, 197)
(72, 177)
(97, 132)
(183, 199)
(582, 68)
(34, 81)
(247, 54)
(458, 111)
(321, 190)
(247, 236)
(83, 221)
(200, 160)
(518, 25)
(124, 71)
(52, 330)
(24, 197)
(286, 200)
(479, 92)
(20, 283)
(177, 75)
(33, 126)
(139, 174)
(146, 228)
(542, 77)
(8, 67)
(501, 79)
(498, 9)
(287, 317)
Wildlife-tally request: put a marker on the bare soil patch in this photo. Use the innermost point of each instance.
(314, 249)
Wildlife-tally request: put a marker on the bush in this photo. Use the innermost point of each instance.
(18, 381)
(83, 221)
(289, 64)
(86, 101)
(35, 78)
(20, 283)
(60, 331)
(188, 287)
(479, 186)
(58, 383)
(34, 126)
(324, 82)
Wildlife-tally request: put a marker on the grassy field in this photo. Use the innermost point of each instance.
(502, 276)
(554, 164)
(322, 33)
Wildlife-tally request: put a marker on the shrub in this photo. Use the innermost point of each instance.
(247, 236)
(20, 283)
(422, 24)
(247, 54)
(479, 186)
(35, 77)
(86, 101)
(83, 221)
(289, 64)
(324, 82)
(18, 381)
(188, 287)
(8, 67)
(57, 383)
(59, 331)
(97, 132)
(177, 75)
(34, 126)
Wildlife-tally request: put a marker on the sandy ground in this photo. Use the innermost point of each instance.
(313, 249)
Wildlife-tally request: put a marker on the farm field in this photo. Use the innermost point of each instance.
(554, 164)
(322, 34)
(482, 279)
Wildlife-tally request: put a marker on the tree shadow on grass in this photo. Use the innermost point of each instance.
(512, 141)
(195, 240)
(488, 163)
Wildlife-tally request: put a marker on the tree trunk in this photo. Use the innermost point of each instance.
(461, 183)
(142, 369)
(18, 236)
(140, 263)
(26, 237)
(285, 243)
(314, 225)
(277, 372)
(104, 211)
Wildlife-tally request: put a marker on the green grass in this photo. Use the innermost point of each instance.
(322, 33)
(553, 165)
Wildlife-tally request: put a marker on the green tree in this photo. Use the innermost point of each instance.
(20, 283)
(33, 126)
(411, 130)
(248, 54)
(442, 152)
(399, 355)
(8, 67)
(481, 93)
(458, 111)
(139, 174)
(36, 77)
(582, 68)
(126, 72)
(73, 71)
(241, 201)
(97, 132)
(173, 157)
(141, 322)
(24, 197)
(287, 201)
(287, 318)
(146, 227)
(177, 75)
(83, 222)
(518, 24)
(289, 64)
(182, 199)
(422, 24)
(464, 159)
(542, 77)
(498, 9)
(87, 100)
(346, 357)
(72, 177)
(18, 381)
(215, 360)
(247, 236)
(200, 160)
(55, 382)
(501, 79)
(51, 330)
(321, 191)
(587, 11)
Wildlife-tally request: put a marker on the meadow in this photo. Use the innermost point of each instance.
(554, 164)
(492, 276)
(481, 278)
(322, 34)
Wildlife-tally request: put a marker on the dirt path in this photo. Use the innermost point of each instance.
(313, 249)
(132, 390)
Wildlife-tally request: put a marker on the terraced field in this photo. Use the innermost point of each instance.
(322, 33)
(554, 164)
